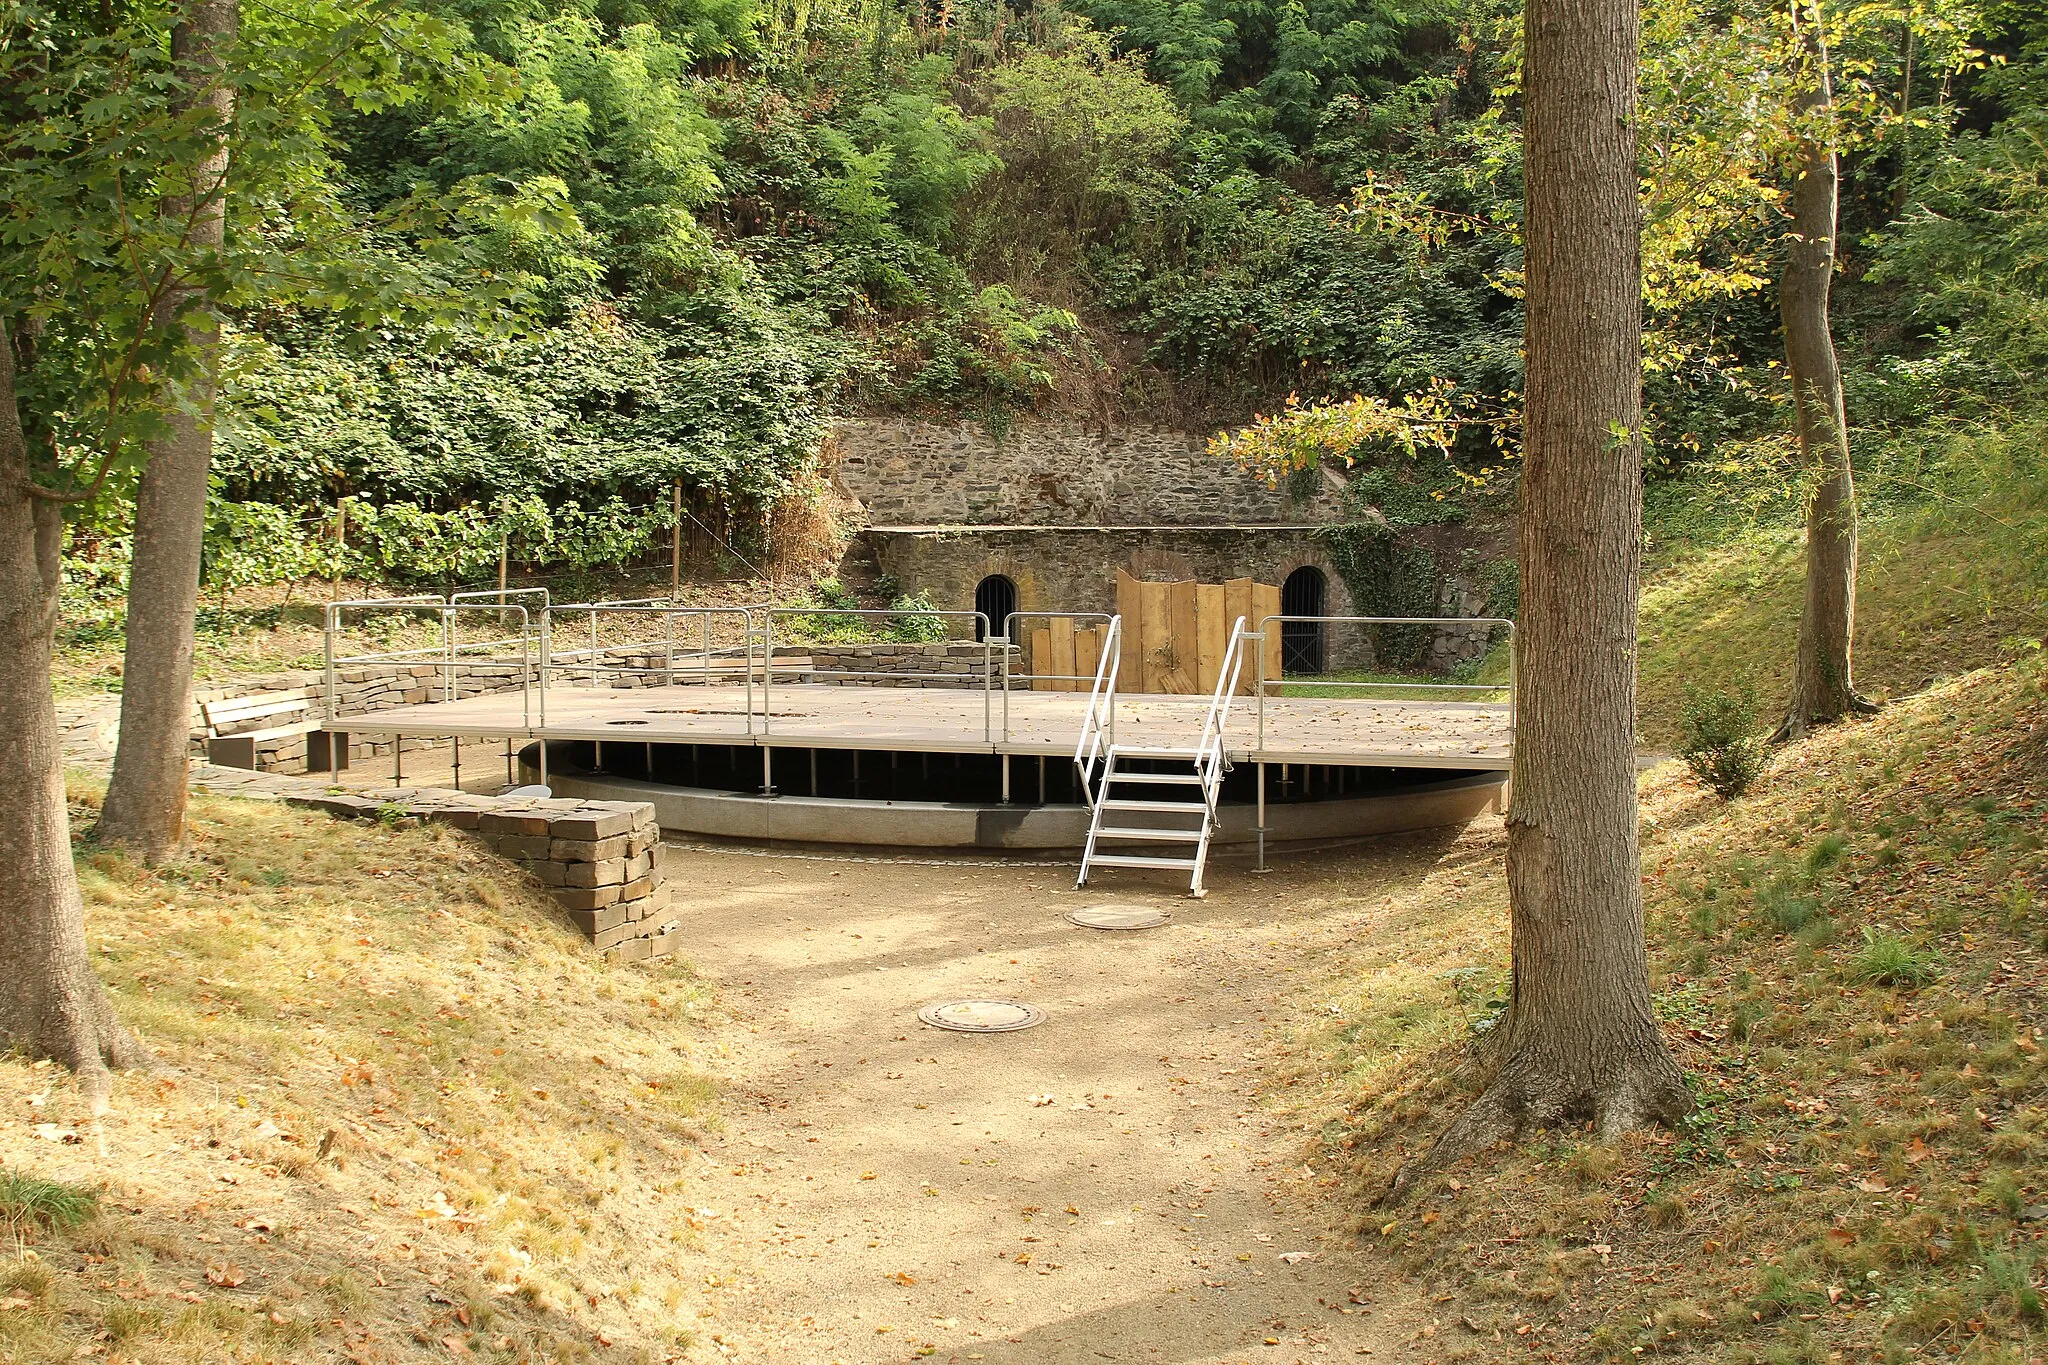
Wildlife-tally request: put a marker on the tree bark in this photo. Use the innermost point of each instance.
(1580, 1043)
(1823, 681)
(51, 1004)
(145, 806)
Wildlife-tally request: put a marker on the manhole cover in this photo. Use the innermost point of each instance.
(625, 722)
(1119, 917)
(982, 1016)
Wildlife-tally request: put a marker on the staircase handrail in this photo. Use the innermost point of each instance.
(1098, 726)
(1209, 759)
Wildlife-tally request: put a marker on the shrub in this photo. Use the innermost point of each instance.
(916, 629)
(1888, 960)
(1719, 742)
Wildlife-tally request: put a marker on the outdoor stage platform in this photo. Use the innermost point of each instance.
(963, 745)
(1358, 732)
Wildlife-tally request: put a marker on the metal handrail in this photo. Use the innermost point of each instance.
(548, 664)
(1209, 756)
(331, 622)
(1098, 726)
(980, 619)
(1510, 686)
(451, 686)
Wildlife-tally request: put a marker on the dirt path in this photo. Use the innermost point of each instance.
(889, 1191)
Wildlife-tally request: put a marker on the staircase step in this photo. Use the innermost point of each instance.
(1183, 779)
(1155, 751)
(1135, 860)
(1176, 836)
(1182, 807)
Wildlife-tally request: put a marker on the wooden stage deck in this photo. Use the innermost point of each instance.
(1471, 736)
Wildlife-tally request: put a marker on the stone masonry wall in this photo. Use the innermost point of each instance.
(1074, 569)
(958, 664)
(1049, 473)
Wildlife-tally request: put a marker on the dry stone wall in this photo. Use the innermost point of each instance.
(931, 665)
(602, 861)
(1050, 473)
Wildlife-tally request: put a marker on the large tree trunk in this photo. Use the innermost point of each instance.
(51, 1004)
(1580, 1043)
(145, 807)
(1823, 685)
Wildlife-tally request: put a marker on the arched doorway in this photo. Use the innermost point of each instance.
(1305, 593)
(994, 597)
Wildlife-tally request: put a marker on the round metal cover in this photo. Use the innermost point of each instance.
(1119, 916)
(982, 1016)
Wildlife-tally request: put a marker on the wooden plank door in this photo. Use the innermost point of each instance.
(1212, 624)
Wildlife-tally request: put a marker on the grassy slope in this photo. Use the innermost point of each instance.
(404, 1112)
(1869, 1172)
(1946, 579)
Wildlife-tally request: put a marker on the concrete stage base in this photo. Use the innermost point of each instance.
(944, 824)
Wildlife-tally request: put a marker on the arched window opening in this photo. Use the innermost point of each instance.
(994, 597)
(1305, 593)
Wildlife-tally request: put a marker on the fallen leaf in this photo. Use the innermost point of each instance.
(904, 1279)
(226, 1276)
(1297, 1257)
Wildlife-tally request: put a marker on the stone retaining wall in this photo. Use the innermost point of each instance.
(603, 861)
(957, 664)
(1050, 472)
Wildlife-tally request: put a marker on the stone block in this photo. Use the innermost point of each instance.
(637, 889)
(586, 897)
(593, 922)
(460, 819)
(550, 872)
(601, 825)
(501, 822)
(665, 944)
(610, 872)
(617, 934)
(639, 867)
(523, 845)
(588, 850)
(632, 950)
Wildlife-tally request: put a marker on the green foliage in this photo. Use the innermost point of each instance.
(1719, 741)
(917, 629)
(1885, 959)
(26, 1202)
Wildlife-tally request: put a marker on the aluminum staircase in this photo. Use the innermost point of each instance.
(1187, 817)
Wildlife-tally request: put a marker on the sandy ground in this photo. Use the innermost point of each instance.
(1106, 1186)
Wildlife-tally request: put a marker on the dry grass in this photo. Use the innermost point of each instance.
(1853, 965)
(404, 1113)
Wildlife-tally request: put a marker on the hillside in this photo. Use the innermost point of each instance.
(1852, 963)
(1954, 570)
(402, 1114)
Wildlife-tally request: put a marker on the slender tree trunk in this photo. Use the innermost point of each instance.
(1580, 1043)
(51, 1004)
(145, 808)
(1823, 683)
